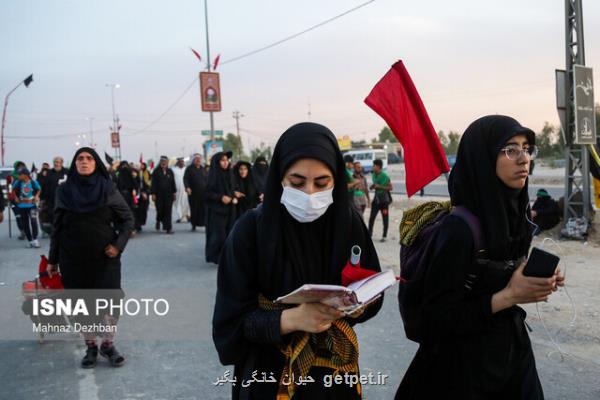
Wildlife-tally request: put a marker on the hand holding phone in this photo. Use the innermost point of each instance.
(541, 264)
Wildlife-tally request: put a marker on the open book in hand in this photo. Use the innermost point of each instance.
(347, 299)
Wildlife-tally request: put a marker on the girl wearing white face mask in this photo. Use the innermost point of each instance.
(302, 233)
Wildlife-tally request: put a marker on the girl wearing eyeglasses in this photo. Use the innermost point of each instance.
(475, 343)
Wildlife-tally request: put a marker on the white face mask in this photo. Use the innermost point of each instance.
(306, 207)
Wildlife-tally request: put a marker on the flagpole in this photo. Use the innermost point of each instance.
(212, 122)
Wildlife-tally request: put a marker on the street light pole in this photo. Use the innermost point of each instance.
(212, 122)
(115, 127)
(92, 144)
(26, 82)
(237, 115)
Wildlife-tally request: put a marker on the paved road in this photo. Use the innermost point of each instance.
(184, 367)
(440, 188)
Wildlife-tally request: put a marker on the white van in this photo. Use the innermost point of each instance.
(366, 157)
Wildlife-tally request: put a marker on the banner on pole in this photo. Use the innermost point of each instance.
(210, 91)
(114, 140)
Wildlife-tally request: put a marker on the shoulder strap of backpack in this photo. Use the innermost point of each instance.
(474, 225)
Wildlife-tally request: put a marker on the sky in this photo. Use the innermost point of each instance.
(467, 58)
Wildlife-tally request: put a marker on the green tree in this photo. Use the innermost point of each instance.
(261, 151)
(234, 144)
(359, 144)
(453, 141)
(549, 141)
(386, 135)
(444, 141)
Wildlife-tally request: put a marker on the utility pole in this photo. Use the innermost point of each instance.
(212, 122)
(92, 144)
(237, 115)
(27, 81)
(115, 128)
(577, 168)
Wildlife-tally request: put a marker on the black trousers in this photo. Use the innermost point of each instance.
(164, 210)
(376, 207)
(29, 222)
(141, 213)
(17, 215)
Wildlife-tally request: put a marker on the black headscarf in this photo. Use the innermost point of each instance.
(259, 173)
(82, 194)
(316, 251)
(125, 180)
(245, 185)
(474, 184)
(220, 180)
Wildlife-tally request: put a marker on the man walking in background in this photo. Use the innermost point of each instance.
(163, 191)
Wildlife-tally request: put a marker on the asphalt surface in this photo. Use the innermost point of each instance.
(185, 366)
(440, 189)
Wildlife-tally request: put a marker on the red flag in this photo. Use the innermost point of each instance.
(196, 54)
(216, 62)
(397, 101)
(141, 158)
(151, 164)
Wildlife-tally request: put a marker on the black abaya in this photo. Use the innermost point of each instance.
(220, 216)
(90, 214)
(163, 187)
(270, 253)
(465, 351)
(196, 179)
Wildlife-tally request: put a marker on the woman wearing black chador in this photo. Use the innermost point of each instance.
(473, 340)
(302, 233)
(92, 224)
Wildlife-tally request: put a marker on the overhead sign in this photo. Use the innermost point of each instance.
(114, 140)
(217, 133)
(344, 143)
(585, 118)
(210, 91)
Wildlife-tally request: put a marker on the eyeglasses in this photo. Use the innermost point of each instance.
(514, 152)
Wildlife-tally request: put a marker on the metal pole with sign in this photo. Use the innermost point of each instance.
(572, 107)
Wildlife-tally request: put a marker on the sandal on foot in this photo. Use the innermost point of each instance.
(90, 358)
(114, 357)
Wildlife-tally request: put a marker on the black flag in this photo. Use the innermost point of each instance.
(28, 80)
(108, 158)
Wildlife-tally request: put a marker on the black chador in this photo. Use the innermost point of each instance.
(468, 352)
(195, 179)
(220, 205)
(245, 186)
(163, 187)
(90, 214)
(268, 254)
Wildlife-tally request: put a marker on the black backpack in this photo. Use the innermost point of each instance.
(417, 230)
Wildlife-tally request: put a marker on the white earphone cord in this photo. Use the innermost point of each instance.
(564, 271)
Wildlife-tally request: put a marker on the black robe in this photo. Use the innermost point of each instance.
(220, 216)
(126, 184)
(78, 241)
(196, 179)
(48, 194)
(270, 253)
(247, 187)
(548, 212)
(89, 215)
(163, 187)
(467, 352)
